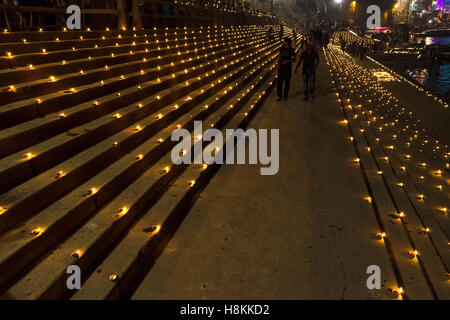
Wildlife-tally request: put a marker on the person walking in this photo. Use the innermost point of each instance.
(317, 36)
(294, 36)
(287, 57)
(310, 59)
(303, 42)
(326, 40)
(281, 32)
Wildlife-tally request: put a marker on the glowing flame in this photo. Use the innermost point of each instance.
(76, 254)
(122, 211)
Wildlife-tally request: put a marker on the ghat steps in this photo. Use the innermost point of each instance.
(85, 126)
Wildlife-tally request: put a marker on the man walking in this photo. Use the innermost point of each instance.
(310, 59)
(287, 57)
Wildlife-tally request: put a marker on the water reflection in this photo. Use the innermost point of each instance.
(434, 78)
(443, 41)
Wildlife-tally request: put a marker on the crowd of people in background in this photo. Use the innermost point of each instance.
(320, 39)
(359, 45)
(355, 48)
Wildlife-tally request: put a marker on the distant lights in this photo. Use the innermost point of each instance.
(92, 191)
(381, 235)
(121, 211)
(398, 291)
(155, 229)
(165, 170)
(28, 155)
(413, 253)
(112, 277)
(60, 174)
(76, 254)
(400, 214)
(36, 231)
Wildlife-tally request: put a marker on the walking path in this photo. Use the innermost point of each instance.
(305, 233)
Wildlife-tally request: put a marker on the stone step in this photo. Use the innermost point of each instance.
(32, 36)
(125, 267)
(26, 134)
(95, 67)
(29, 109)
(391, 179)
(102, 55)
(42, 39)
(137, 187)
(88, 39)
(54, 150)
(88, 205)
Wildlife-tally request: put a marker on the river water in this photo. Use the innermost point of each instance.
(435, 79)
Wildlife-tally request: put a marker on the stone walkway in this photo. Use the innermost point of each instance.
(305, 233)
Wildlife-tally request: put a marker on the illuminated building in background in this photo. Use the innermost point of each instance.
(355, 12)
(401, 11)
(438, 5)
(441, 5)
(447, 6)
